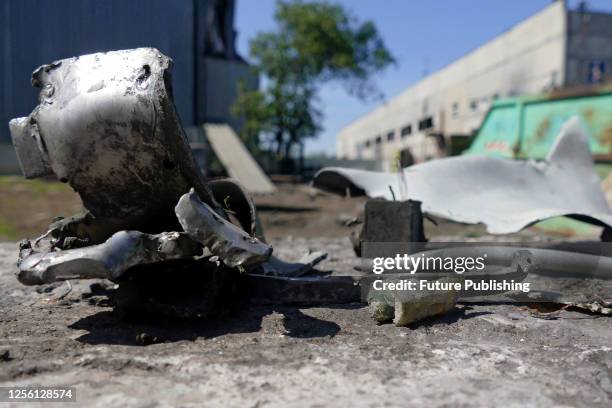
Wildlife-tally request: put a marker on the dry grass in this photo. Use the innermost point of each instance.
(28, 206)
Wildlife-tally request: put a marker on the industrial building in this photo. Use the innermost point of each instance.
(555, 48)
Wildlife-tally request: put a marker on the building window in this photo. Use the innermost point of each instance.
(406, 130)
(484, 103)
(406, 158)
(455, 109)
(596, 71)
(378, 139)
(367, 144)
(474, 105)
(426, 123)
(390, 136)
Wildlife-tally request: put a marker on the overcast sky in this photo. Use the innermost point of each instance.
(424, 36)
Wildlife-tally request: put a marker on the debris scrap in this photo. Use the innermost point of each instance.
(176, 244)
(106, 124)
(108, 260)
(227, 241)
(480, 189)
(599, 307)
(407, 307)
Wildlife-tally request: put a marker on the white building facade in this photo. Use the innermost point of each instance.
(552, 49)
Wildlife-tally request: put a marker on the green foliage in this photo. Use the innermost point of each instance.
(314, 42)
(252, 106)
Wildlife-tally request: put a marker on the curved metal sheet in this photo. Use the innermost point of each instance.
(503, 194)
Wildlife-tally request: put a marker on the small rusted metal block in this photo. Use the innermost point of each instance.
(392, 221)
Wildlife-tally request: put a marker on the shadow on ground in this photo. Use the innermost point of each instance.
(114, 327)
(455, 315)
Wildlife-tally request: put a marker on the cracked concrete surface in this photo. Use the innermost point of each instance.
(478, 355)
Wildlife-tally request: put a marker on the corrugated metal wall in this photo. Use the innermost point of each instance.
(36, 32)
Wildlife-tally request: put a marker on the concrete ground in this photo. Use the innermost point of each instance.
(477, 355)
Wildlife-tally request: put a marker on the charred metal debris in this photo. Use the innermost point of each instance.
(106, 124)
(178, 244)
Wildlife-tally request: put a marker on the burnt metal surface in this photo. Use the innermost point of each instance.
(236, 201)
(390, 221)
(109, 260)
(232, 245)
(278, 267)
(331, 289)
(126, 249)
(505, 195)
(181, 288)
(106, 124)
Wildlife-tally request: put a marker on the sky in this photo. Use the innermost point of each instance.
(424, 36)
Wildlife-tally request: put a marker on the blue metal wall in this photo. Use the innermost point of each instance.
(36, 32)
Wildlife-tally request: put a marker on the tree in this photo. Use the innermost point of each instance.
(314, 42)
